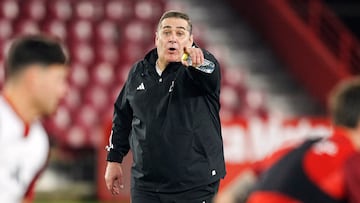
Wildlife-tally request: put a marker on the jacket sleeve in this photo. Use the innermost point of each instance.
(207, 76)
(121, 126)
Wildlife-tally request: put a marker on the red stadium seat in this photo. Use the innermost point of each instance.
(56, 28)
(33, 9)
(97, 97)
(103, 74)
(79, 77)
(4, 48)
(131, 52)
(75, 137)
(107, 53)
(88, 9)
(73, 99)
(121, 74)
(80, 30)
(229, 99)
(149, 10)
(138, 31)
(61, 121)
(9, 9)
(87, 116)
(6, 30)
(82, 53)
(236, 78)
(118, 10)
(106, 32)
(175, 5)
(255, 102)
(114, 92)
(26, 26)
(95, 137)
(60, 9)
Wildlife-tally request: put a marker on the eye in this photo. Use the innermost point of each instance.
(166, 32)
(180, 33)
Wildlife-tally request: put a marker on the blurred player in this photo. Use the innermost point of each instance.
(320, 170)
(36, 73)
(238, 190)
(168, 114)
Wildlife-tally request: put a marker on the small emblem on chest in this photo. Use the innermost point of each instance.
(141, 87)
(172, 86)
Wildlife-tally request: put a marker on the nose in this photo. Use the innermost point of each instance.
(172, 38)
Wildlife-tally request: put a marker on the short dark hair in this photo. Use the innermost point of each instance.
(176, 14)
(344, 103)
(33, 49)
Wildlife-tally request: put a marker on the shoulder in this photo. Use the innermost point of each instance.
(208, 55)
(332, 151)
(136, 70)
(137, 67)
(324, 162)
(8, 118)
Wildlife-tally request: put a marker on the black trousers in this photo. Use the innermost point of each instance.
(202, 194)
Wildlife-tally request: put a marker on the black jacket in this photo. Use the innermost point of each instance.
(172, 125)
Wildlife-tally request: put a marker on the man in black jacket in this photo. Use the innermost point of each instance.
(168, 114)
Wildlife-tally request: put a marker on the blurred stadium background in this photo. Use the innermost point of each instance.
(279, 60)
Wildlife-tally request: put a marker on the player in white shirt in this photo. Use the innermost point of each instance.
(36, 79)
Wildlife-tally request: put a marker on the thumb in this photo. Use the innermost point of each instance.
(186, 50)
(118, 183)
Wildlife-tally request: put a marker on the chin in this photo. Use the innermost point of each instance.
(174, 60)
(50, 111)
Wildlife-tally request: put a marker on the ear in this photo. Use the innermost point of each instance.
(191, 40)
(156, 38)
(34, 74)
(358, 127)
(356, 136)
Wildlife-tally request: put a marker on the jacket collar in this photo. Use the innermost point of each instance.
(150, 61)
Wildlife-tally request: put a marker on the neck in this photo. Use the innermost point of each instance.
(161, 64)
(19, 99)
(354, 136)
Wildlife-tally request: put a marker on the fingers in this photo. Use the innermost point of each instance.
(114, 185)
(113, 178)
(117, 186)
(195, 54)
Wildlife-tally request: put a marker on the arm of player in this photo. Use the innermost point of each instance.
(239, 188)
(203, 69)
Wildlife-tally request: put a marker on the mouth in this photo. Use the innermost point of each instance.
(172, 49)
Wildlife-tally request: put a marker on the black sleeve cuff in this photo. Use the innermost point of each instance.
(114, 157)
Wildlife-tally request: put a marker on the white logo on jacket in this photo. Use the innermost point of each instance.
(141, 87)
(172, 86)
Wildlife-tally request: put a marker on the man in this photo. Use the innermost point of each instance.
(320, 170)
(35, 81)
(168, 114)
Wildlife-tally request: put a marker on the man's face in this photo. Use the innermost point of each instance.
(49, 87)
(171, 38)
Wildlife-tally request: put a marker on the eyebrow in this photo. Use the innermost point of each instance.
(178, 27)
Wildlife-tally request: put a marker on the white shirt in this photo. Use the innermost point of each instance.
(22, 156)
